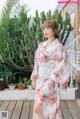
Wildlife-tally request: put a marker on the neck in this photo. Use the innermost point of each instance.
(51, 39)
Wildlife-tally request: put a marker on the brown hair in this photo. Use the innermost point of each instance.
(53, 25)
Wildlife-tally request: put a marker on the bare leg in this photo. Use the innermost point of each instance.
(38, 111)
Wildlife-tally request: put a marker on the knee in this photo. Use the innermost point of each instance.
(37, 108)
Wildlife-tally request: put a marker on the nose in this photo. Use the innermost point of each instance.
(45, 30)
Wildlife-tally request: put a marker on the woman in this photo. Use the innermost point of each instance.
(50, 74)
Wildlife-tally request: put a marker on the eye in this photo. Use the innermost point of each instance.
(46, 28)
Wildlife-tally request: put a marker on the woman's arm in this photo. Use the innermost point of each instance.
(35, 68)
(61, 73)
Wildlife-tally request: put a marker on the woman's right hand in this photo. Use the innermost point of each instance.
(34, 78)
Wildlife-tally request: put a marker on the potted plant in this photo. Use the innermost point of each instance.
(29, 84)
(2, 86)
(21, 86)
(11, 86)
(9, 79)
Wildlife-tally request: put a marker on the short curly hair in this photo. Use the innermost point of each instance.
(51, 24)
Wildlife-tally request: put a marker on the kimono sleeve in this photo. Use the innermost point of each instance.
(35, 68)
(61, 73)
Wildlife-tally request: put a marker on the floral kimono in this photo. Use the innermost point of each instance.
(52, 68)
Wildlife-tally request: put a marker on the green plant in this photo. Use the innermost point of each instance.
(7, 75)
(29, 82)
(21, 83)
(26, 81)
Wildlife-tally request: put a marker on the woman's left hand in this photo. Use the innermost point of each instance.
(65, 85)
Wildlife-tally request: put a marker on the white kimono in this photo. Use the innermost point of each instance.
(52, 68)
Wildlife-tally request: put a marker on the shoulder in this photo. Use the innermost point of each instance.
(61, 49)
(41, 43)
(60, 46)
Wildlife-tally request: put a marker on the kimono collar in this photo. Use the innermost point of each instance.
(53, 42)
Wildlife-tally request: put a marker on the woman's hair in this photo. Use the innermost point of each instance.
(53, 25)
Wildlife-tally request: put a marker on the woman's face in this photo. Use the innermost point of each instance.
(48, 32)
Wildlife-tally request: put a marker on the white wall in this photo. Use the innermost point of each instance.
(41, 5)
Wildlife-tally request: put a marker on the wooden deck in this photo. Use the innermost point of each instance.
(23, 109)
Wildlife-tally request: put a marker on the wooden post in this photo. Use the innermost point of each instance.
(77, 34)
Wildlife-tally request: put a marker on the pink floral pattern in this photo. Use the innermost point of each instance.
(52, 68)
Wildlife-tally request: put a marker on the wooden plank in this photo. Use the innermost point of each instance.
(74, 109)
(4, 105)
(78, 102)
(17, 110)
(31, 109)
(65, 110)
(25, 110)
(1, 102)
(62, 114)
(10, 108)
(61, 110)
